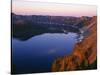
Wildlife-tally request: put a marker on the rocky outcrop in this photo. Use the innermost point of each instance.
(84, 55)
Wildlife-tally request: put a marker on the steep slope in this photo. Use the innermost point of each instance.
(84, 55)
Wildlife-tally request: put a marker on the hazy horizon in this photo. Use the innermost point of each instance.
(23, 7)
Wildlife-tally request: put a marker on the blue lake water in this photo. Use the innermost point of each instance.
(39, 52)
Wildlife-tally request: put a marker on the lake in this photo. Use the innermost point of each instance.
(39, 52)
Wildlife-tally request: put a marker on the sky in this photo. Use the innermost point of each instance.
(24, 7)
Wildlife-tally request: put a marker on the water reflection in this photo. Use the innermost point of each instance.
(37, 53)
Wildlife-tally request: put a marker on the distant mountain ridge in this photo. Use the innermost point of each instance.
(41, 18)
(26, 26)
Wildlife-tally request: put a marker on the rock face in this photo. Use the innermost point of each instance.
(84, 55)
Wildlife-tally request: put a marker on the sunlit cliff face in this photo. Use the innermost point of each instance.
(84, 55)
(43, 8)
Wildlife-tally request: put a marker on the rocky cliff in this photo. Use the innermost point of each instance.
(84, 55)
